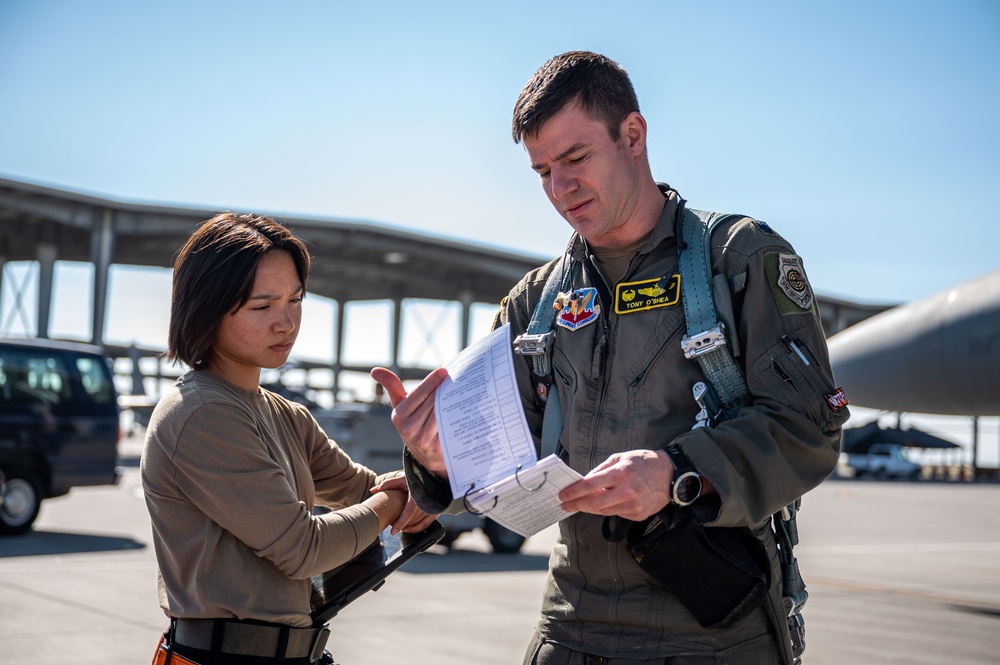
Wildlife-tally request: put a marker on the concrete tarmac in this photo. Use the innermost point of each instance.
(897, 572)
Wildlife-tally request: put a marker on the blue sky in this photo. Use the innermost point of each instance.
(865, 132)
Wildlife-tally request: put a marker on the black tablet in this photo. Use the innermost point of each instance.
(334, 589)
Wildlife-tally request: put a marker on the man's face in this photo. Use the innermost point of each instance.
(592, 180)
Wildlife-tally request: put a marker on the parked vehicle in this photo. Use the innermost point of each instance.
(58, 424)
(884, 460)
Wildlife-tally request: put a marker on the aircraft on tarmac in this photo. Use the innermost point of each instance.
(936, 355)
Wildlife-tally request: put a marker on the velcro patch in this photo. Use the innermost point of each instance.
(837, 400)
(647, 294)
(577, 308)
(787, 277)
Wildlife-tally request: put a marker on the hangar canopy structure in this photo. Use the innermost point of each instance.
(353, 260)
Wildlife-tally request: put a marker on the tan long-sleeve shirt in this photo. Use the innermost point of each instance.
(231, 478)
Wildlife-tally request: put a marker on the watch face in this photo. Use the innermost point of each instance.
(687, 489)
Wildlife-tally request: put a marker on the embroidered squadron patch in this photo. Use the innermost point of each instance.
(837, 399)
(793, 280)
(648, 294)
(792, 292)
(577, 308)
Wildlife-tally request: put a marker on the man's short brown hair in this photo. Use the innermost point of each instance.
(599, 84)
(214, 274)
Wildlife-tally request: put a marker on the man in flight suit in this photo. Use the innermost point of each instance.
(625, 386)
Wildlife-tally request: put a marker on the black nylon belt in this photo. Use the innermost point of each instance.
(248, 639)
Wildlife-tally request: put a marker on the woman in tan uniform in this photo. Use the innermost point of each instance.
(232, 472)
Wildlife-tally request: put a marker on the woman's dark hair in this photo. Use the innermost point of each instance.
(214, 274)
(600, 84)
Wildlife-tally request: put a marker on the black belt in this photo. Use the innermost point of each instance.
(241, 638)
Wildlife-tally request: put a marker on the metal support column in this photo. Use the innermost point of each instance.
(102, 242)
(397, 327)
(46, 253)
(465, 298)
(138, 384)
(975, 446)
(338, 348)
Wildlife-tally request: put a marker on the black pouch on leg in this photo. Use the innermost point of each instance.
(720, 574)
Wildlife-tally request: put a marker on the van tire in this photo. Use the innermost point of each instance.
(22, 500)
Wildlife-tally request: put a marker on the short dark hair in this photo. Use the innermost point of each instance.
(214, 274)
(600, 84)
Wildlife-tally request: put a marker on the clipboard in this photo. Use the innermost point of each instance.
(335, 589)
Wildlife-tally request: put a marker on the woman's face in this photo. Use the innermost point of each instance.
(261, 332)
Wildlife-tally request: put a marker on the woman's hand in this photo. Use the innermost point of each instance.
(388, 505)
(411, 519)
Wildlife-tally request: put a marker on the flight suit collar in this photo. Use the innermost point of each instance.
(664, 229)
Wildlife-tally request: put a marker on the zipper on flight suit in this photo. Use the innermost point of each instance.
(601, 351)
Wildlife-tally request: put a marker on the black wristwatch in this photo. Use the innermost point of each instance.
(685, 488)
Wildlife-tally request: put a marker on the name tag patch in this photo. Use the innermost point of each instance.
(648, 294)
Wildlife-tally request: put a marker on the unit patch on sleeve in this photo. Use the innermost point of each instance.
(836, 400)
(577, 308)
(787, 277)
(648, 294)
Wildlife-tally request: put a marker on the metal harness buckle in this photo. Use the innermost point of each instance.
(703, 342)
(534, 344)
(796, 628)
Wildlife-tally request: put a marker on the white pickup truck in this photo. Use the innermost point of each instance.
(884, 460)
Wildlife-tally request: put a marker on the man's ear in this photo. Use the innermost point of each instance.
(633, 131)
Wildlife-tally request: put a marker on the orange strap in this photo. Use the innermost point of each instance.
(164, 656)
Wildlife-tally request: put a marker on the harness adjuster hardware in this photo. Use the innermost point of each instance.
(534, 344)
(703, 342)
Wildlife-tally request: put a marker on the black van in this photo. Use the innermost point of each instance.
(59, 424)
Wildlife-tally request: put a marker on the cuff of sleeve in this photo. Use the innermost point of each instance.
(430, 492)
(708, 508)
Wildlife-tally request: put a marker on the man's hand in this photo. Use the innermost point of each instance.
(413, 416)
(632, 485)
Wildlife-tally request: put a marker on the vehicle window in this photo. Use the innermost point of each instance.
(96, 383)
(5, 380)
(34, 377)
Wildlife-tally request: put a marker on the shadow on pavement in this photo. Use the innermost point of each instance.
(35, 543)
(439, 560)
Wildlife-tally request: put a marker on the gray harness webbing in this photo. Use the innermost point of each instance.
(706, 336)
(537, 343)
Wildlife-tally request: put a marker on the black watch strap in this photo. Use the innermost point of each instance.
(686, 485)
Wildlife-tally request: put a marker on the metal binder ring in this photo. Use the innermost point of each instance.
(468, 506)
(545, 478)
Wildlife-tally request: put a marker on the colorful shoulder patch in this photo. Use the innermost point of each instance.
(648, 294)
(787, 277)
(577, 308)
(836, 400)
